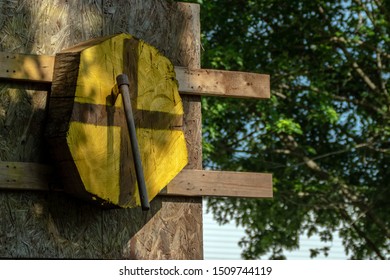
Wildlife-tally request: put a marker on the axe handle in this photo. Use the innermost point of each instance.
(123, 86)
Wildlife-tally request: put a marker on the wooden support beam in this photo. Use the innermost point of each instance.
(25, 176)
(220, 83)
(221, 183)
(204, 82)
(54, 226)
(189, 182)
(26, 67)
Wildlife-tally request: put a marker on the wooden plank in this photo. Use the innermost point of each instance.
(55, 225)
(220, 83)
(203, 82)
(189, 182)
(25, 176)
(221, 183)
(36, 68)
(175, 231)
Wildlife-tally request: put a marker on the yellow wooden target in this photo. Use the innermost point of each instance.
(90, 131)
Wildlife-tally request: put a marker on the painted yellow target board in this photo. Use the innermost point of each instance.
(87, 132)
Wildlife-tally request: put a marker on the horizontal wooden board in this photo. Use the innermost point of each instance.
(36, 68)
(25, 176)
(204, 82)
(189, 182)
(221, 183)
(223, 83)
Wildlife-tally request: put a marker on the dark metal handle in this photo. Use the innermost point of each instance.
(123, 86)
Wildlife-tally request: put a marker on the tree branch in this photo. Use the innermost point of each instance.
(380, 71)
(358, 146)
(310, 163)
(369, 14)
(359, 103)
(349, 57)
(365, 209)
(379, 222)
(279, 94)
(361, 73)
(366, 45)
(362, 234)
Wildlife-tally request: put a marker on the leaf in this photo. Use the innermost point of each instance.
(288, 126)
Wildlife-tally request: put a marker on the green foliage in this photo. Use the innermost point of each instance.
(287, 126)
(324, 134)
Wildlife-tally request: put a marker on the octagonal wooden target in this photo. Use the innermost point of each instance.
(87, 132)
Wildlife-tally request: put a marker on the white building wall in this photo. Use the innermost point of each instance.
(221, 243)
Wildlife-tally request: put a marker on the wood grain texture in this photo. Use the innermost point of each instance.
(35, 68)
(221, 183)
(55, 225)
(223, 83)
(175, 31)
(203, 82)
(189, 182)
(95, 128)
(25, 176)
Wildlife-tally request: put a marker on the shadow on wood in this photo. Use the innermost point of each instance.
(42, 225)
